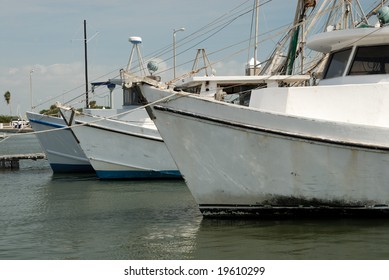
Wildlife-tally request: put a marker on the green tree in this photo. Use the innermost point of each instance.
(5, 119)
(93, 105)
(53, 111)
(7, 97)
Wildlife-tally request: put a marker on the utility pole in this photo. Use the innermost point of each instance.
(86, 67)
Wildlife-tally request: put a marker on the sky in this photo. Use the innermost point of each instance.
(42, 46)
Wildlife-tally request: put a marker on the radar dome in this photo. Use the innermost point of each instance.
(135, 40)
(152, 66)
(383, 15)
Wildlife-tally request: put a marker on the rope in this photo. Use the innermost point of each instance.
(9, 136)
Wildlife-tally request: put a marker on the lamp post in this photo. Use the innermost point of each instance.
(174, 48)
(31, 71)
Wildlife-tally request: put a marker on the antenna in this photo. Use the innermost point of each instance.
(136, 41)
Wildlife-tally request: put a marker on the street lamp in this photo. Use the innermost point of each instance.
(31, 71)
(174, 48)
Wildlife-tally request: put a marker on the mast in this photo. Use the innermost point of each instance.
(294, 39)
(299, 24)
(256, 36)
(86, 67)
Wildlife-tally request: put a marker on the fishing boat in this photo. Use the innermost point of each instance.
(62, 150)
(318, 151)
(123, 143)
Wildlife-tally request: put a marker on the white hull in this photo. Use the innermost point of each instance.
(227, 154)
(130, 148)
(60, 146)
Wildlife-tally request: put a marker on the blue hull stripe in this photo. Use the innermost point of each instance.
(112, 174)
(47, 123)
(71, 168)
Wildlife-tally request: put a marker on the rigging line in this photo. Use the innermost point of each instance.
(209, 31)
(367, 35)
(269, 32)
(223, 27)
(228, 56)
(273, 34)
(220, 26)
(168, 48)
(244, 41)
(95, 121)
(181, 52)
(237, 12)
(62, 94)
(74, 89)
(206, 26)
(125, 112)
(376, 7)
(244, 49)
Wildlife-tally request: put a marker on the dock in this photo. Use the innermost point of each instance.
(15, 130)
(12, 161)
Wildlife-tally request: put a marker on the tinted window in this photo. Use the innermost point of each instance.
(371, 60)
(131, 96)
(338, 63)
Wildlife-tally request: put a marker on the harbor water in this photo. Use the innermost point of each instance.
(46, 216)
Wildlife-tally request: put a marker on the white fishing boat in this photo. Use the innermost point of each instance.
(127, 146)
(294, 151)
(123, 143)
(62, 150)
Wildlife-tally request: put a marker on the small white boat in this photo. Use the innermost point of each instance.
(122, 143)
(59, 144)
(295, 151)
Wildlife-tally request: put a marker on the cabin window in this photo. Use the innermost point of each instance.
(337, 64)
(371, 60)
(131, 96)
(195, 89)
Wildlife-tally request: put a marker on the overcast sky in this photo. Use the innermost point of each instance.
(47, 36)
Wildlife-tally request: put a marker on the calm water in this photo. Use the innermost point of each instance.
(46, 216)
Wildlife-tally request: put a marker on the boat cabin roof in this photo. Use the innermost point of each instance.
(340, 39)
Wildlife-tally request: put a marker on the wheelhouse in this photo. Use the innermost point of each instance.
(356, 56)
(359, 60)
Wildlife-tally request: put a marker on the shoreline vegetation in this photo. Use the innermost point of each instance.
(17, 124)
(13, 124)
(7, 119)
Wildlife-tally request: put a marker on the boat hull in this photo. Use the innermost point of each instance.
(125, 149)
(60, 146)
(239, 161)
